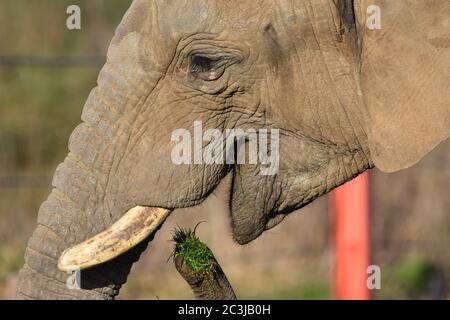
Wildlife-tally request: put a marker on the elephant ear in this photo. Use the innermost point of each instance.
(405, 77)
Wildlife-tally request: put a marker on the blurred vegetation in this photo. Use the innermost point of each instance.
(312, 289)
(39, 107)
(11, 260)
(412, 277)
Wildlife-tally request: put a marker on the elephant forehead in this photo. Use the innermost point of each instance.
(191, 16)
(299, 21)
(174, 19)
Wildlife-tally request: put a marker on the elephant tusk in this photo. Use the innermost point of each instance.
(136, 225)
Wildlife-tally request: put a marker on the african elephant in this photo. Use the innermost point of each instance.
(343, 96)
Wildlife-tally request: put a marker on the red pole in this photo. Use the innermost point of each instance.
(350, 214)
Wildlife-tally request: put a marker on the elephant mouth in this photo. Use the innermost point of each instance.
(134, 227)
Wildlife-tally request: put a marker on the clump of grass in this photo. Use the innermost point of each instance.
(197, 265)
(194, 253)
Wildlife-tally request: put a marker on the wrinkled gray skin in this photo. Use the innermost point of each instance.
(298, 66)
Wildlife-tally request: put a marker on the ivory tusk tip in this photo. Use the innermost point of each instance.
(64, 263)
(136, 225)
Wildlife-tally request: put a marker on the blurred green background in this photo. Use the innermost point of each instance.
(46, 73)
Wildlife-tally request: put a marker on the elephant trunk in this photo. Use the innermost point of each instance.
(70, 215)
(81, 205)
(40, 278)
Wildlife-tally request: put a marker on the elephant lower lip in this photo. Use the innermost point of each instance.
(274, 221)
(243, 239)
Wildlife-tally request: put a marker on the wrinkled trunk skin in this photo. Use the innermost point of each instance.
(79, 207)
(40, 279)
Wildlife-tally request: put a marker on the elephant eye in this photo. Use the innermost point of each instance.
(200, 64)
(207, 68)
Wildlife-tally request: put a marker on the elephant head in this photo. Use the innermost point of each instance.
(333, 96)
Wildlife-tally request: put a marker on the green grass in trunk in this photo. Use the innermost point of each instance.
(195, 254)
